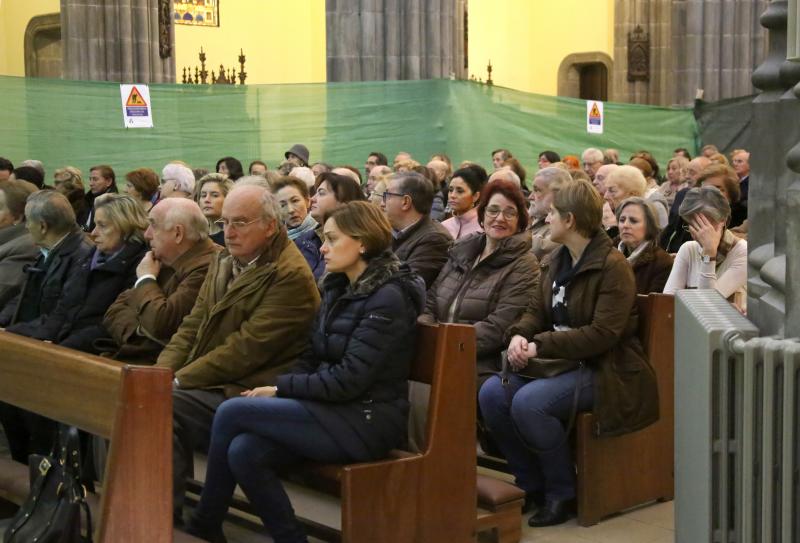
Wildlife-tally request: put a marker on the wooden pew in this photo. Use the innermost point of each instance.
(621, 472)
(131, 406)
(428, 497)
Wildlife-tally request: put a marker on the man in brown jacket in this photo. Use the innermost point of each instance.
(251, 319)
(547, 181)
(419, 241)
(143, 319)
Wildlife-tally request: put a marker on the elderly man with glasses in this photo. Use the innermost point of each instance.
(419, 241)
(250, 320)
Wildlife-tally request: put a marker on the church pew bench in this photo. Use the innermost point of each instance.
(130, 406)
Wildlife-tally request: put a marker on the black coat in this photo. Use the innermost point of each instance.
(86, 218)
(354, 375)
(76, 321)
(45, 280)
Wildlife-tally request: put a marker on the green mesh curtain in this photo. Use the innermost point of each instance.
(80, 123)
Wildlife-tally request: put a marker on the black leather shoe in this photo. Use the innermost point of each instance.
(212, 536)
(553, 512)
(533, 502)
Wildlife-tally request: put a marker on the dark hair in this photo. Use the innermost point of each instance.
(6, 165)
(145, 181)
(29, 174)
(506, 153)
(551, 156)
(419, 188)
(381, 158)
(473, 175)
(235, 170)
(107, 172)
(512, 192)
(250, 167)
(328, 167)
(16, 193)
(289, 181)
(365, 222)
(683, 151)
(344, 188)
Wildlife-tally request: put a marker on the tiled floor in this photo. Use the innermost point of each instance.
(648, 524)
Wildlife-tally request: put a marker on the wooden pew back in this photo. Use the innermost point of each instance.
(131, 406)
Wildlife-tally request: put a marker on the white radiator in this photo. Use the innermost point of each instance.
(737, 410)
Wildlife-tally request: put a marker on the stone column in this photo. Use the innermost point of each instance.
(774, 202)
(116, 40)
(369, 40)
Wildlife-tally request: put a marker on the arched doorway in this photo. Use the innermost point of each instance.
(585, 76)
(43, 56)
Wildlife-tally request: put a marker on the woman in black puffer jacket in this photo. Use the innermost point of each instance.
(346, 399)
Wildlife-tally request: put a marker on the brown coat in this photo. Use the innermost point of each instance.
(491, 296)
(601, 301)
(424, 248)
(156, 308)
(542, 246)
(244, 335)
(651, 269)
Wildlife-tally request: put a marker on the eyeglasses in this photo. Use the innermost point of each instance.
(386, 194)
(234, 225)
(508, 213)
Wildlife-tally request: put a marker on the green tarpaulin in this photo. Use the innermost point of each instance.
(81, 123)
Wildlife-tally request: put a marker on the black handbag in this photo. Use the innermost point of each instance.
(52, 511)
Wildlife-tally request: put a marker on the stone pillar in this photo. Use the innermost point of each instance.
(774, 202)
(374, 40)
(116, 40)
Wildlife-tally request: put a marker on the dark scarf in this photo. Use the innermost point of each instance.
(565, 271)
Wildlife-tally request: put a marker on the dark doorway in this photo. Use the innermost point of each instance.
(593, 82)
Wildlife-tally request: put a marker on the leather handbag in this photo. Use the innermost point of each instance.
(52, 511)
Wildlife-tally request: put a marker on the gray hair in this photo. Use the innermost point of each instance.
(304, 174)
(182, 176)
(553, 176)
(187, 214)
(650, 220)
(272, 209)
(418, 188)
(255, 181)
(592, 155)
(708, 201)
(53, 209)
(35, 164)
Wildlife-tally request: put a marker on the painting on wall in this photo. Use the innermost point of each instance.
(196, 12)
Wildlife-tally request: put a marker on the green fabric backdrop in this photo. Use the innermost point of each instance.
(80, 123)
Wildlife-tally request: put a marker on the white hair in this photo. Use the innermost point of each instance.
(592, 155)
(181, 175)
(254, 180)
(304, 174)
(186, 213)
(35, 164)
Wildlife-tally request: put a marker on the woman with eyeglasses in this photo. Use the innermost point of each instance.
(210, 194)
(330, 191)
(490, 276)
(715, 259)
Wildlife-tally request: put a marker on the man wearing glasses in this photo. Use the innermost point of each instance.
(419, 241)
(249, 322)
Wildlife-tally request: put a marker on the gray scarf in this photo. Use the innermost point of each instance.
(308, 224)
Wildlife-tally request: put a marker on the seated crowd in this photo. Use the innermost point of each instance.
(286, 302)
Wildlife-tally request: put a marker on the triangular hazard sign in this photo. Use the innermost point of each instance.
(595, 112)
(135, 99)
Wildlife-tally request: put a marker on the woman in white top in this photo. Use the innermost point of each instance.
(716, 258)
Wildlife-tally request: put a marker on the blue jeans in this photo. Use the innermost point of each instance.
(533, 419)
(251, 439)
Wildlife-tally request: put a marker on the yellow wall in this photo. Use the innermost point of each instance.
(14, 18)
(526, 40)
(284, 42)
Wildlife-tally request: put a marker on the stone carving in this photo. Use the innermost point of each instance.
(164, 33)
(638, 55)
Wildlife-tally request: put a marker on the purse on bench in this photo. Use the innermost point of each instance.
(52, 511)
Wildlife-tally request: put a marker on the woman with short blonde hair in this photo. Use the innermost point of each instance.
(210, 194)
